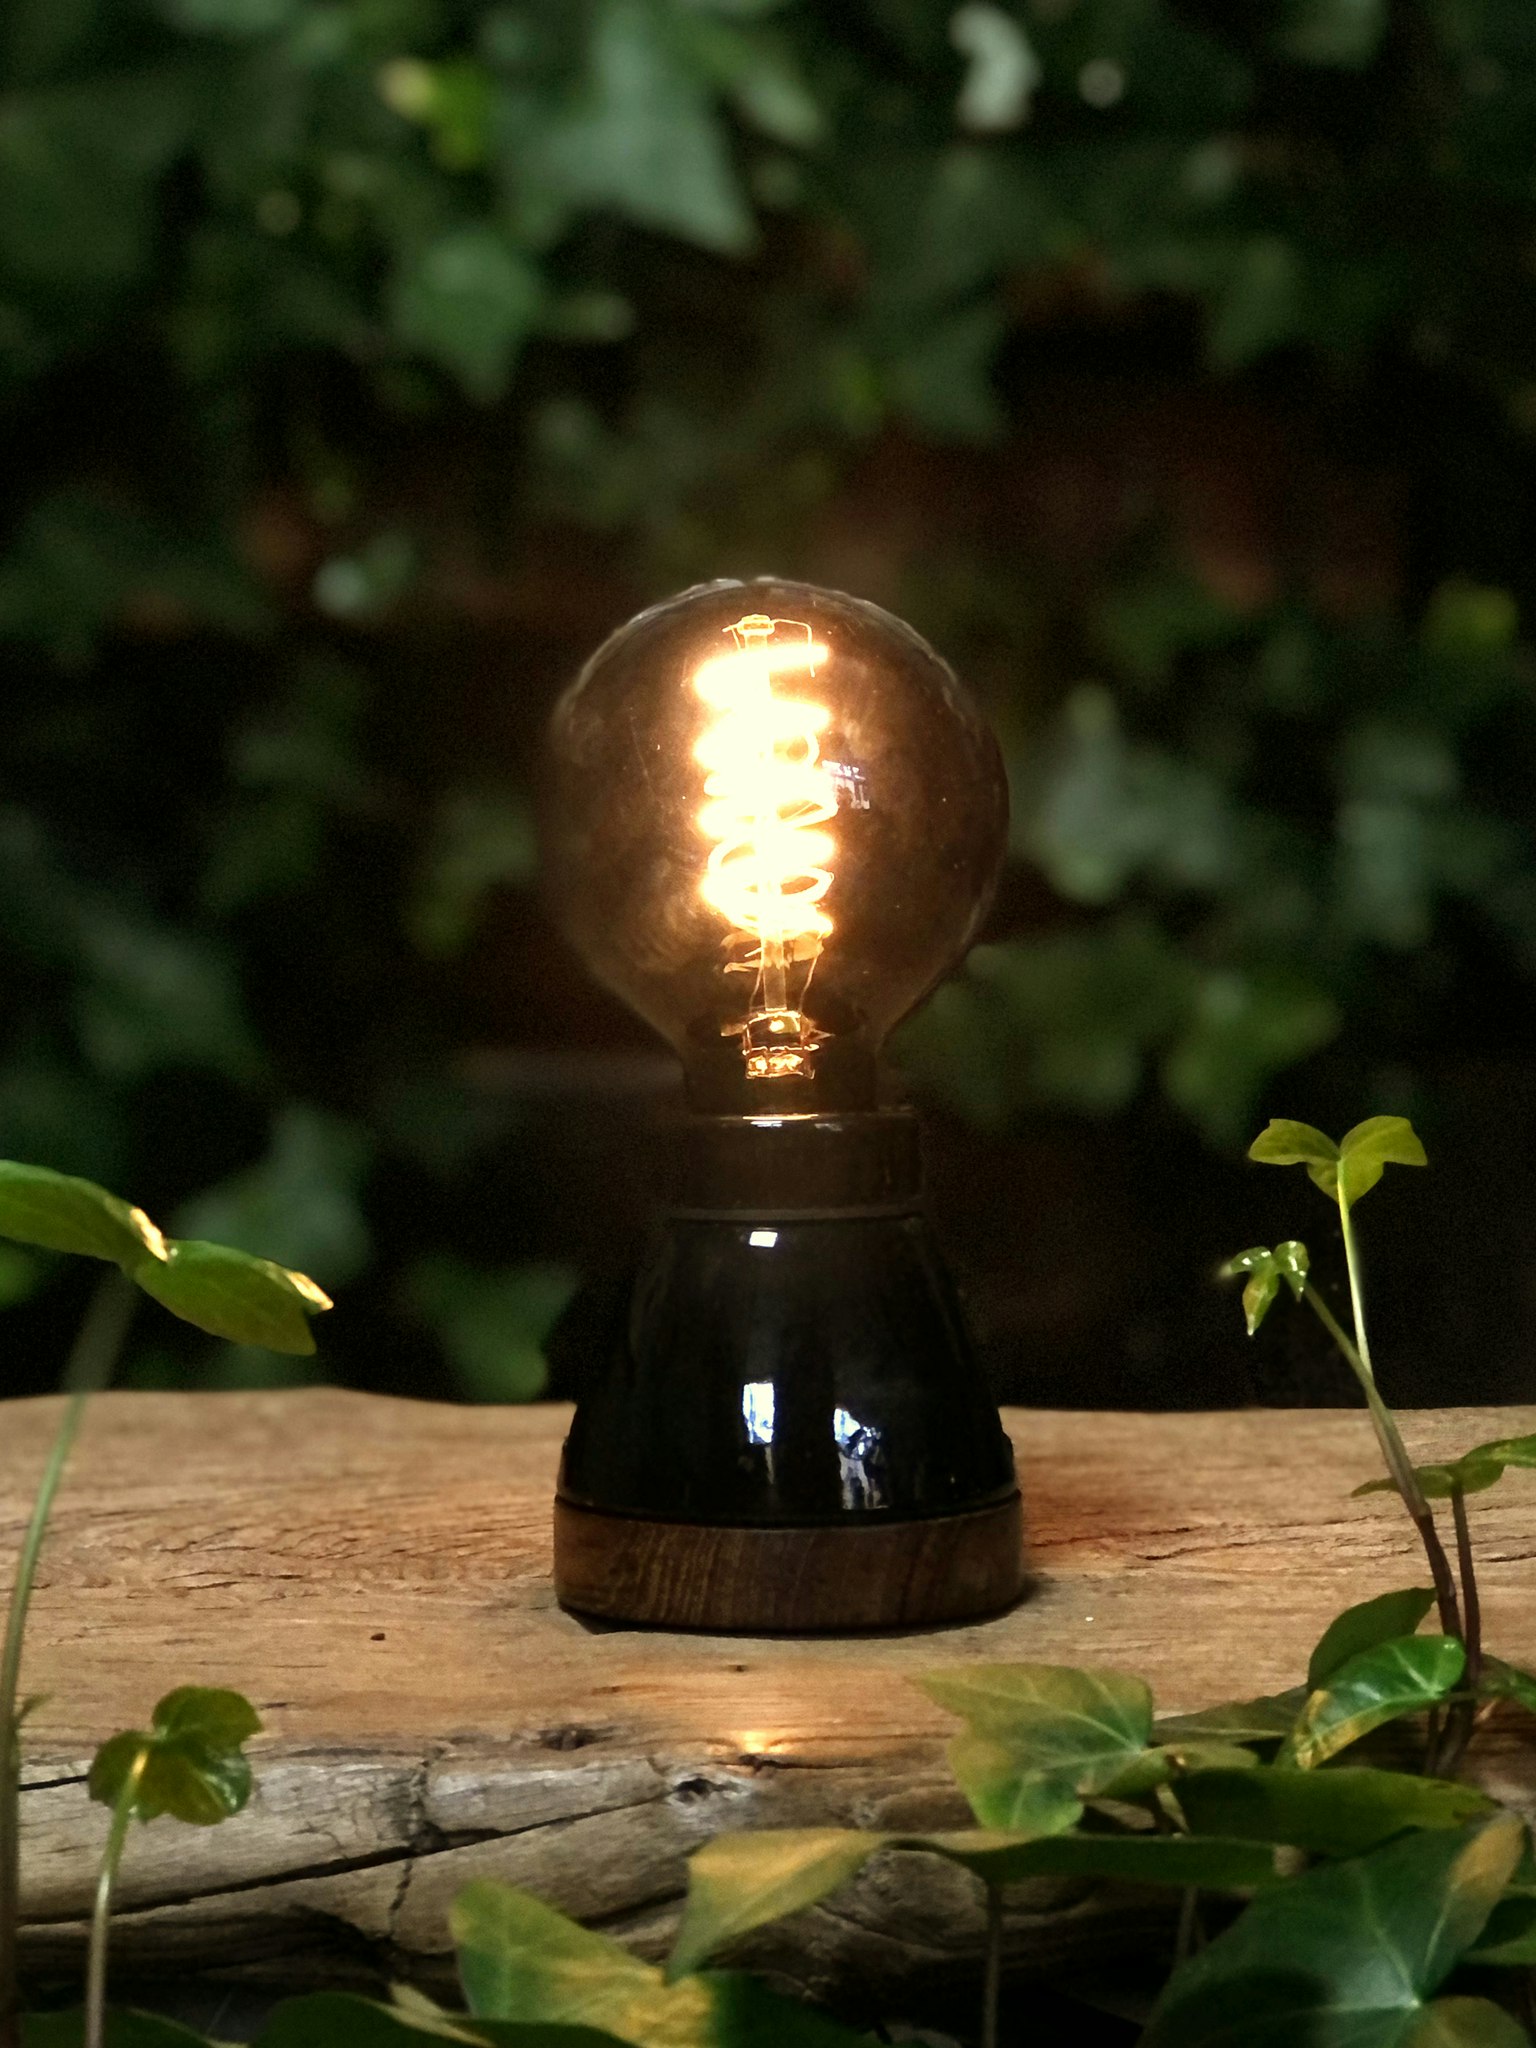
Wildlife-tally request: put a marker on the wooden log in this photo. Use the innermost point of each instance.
(375, 1575)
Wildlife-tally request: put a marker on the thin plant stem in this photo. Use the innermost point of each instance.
(101, 1915)
(1393, 1450)
(992, 1983)
(1462, 1716)
(1189, 1923)
(90, 1367)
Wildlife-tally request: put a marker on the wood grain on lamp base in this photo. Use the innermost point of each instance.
(882, 1574)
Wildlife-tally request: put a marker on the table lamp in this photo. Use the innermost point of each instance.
(775, 820)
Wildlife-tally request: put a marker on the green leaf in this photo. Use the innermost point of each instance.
(339, 2019)
(63, 1214)
(1509, 1939)
(1083, 1727)
(1269, 1719)
(521, 1960)
(124, 2029)
(230, 1294)
(740, 1881)
(1465, 2023)
(468, 299)
(1471, 1474)
(1132, 1859)
(1346, 1956)
(194, 1768)
(1363, 1627)
(1341, 33)
(1374, 1687)
(1001, 1794)
(1501, 1681)
(1284, 1143)
(1371, 1147)
(1335, 1813)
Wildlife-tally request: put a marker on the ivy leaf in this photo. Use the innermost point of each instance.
(468, 299)
(195, 1767)
(1374, 1687)
(1348, 1955)
(1363, 1627)
(63, 1214)
(230, 1294)
(1334, 1813)
(1081, 1727)
(1002, 1794)
(740, 1881)
(521, 1960)
(1269, 1719)
(1371, 1147)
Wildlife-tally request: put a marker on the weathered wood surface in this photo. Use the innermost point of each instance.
(375, 1574)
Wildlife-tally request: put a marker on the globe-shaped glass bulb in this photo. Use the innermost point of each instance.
(776, 820)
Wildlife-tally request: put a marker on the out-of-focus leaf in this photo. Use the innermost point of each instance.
(467, 300)
(741, 1881)
(194, 1768)
(1501, 1681)
(483, 840)
(1345, 33)
(123, 2029)
(521, 1960)
(338, 2019)
(1364, 1626)
(1371, 1688)
(493, 1326)
(298, 1205)
(1347, 1956)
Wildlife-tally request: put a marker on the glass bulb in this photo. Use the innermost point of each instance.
(776, 821)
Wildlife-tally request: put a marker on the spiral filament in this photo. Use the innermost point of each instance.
(768, 791)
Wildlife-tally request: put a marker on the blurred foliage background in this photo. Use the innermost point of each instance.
(1170, 363)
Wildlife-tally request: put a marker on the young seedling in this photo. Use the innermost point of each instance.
(189, 1763)
(225, 1293)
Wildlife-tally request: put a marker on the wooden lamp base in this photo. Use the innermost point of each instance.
(788, 1580)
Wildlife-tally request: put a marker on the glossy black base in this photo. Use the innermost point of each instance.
(793, 1354)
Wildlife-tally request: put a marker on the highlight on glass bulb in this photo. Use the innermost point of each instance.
(775, 821)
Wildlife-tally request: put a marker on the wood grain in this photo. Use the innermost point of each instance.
(375, 1574)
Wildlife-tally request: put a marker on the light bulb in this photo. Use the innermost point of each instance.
(776, 821)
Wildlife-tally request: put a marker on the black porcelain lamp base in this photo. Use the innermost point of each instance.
(838, 1577)
(791, 1431)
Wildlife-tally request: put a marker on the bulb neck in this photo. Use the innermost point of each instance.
(798, 1167)
(841, 1077)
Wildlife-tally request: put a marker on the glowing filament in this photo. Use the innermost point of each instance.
(768, 791)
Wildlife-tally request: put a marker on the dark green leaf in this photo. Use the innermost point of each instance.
(1501, 1681)
(1343, 33)
(1083, 1727)
(1363, 1627)
(194, 1767)
(1346, 1956)
(1133, 1859)
(124, 2029)
(740, 1881)
(337, 2019)
(1269, 1719)
(1509, 1939)
(468, 300)
(66, 1215)
(229, 1294)
(1465, 2023)
(1371, 1147)
(1336, 1813)
(1374, 1687)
